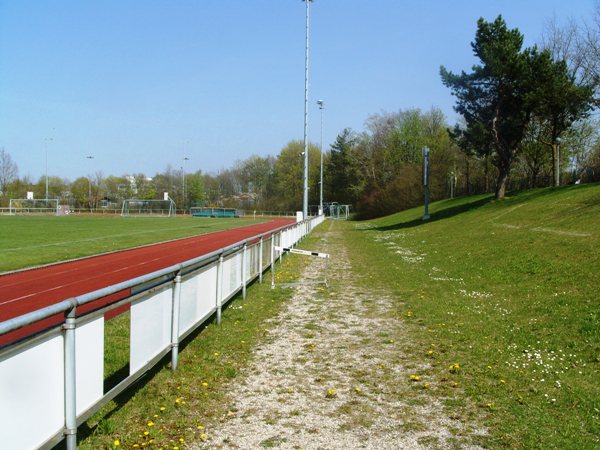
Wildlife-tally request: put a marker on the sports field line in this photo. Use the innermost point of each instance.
(110, 236)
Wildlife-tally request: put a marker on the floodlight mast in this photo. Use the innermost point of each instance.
(321, 106)
(90, 157)
(305, 198)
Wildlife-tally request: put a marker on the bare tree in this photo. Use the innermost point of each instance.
(8, 171)
(577, 43)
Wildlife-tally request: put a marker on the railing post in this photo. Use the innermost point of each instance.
(219, 287)
(272, 261)
(280, 245)
(70, 380)
(260, 261)
(244, 275)
(175, 322)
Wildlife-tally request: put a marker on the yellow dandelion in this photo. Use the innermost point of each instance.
(216, 353)
(409, 314)
(502, 381)
(200, 427)
(150, 424)
(415, 378)
(162, 408)
(146, 433)
(454, 367)
(331, 393)
(203, 436)
(116, 443)
(426, 386)
(205, 384)
(358, 390)
(182, 440)
(178, 400)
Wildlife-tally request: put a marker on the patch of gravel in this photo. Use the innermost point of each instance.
(332, 374)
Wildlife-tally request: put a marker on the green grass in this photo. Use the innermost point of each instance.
(31, 241)
(509, 290)
(181, 404)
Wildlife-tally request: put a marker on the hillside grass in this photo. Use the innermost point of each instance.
(27, 241)
(502, 298)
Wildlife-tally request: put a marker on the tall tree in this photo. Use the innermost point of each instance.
(344, 177)
(558, 101)
(493, 99)
(500, 97)
(8, 171)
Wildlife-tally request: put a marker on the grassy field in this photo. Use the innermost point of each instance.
(500, 301)
(504, 300)
(27, 241)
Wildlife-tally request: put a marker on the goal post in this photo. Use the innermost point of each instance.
(142, 207)
(47, 206)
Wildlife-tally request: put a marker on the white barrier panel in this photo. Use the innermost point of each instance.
(32, 394)
(32, 377)
(89, 358)
(198, 298)
(150, 327)
(251, 262)
(232, 274)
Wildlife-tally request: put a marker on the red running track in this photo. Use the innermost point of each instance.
(27, 291)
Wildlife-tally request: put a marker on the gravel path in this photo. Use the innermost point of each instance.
(332, 375)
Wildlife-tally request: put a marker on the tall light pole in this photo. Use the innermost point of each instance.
(46, 148)
(185, 158)
(426, 181)
(90, 157)
(321, 106)
(305, 198)
(557, 165)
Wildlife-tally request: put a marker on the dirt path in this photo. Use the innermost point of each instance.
(332, 374)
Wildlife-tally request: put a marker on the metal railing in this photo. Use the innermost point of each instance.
(53, 381)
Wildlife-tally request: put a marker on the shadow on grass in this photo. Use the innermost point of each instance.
(445, 213)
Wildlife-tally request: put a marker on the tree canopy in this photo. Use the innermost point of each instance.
(502, 95)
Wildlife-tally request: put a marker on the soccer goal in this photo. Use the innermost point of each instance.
(215, 212)
(140, 207)
(47, 206)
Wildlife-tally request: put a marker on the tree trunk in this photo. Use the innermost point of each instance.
(501, 184)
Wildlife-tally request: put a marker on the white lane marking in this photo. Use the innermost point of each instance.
(6, 302)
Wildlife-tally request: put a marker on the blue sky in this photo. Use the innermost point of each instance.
(143, 84)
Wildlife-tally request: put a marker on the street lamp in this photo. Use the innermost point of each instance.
(321, 106)
(90, 157)
(426, 181)
(46, 148)
(305, 198)
(185, 158)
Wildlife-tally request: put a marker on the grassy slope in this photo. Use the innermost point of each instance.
(31, 241)
(510, 291)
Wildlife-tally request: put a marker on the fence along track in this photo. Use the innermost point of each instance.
(52, 382)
